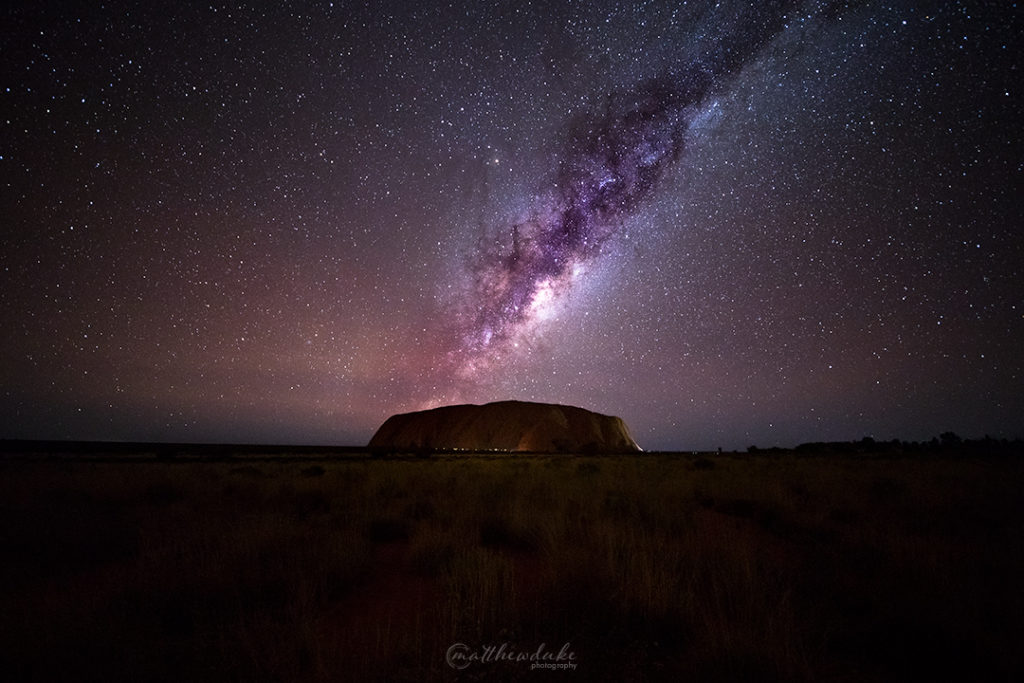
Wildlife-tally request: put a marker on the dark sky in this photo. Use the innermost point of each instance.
(729, 226)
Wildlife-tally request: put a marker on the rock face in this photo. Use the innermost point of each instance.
(506, 426)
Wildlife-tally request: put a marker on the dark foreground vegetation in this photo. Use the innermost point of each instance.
(778, 566)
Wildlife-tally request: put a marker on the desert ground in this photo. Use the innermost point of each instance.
(251, 565)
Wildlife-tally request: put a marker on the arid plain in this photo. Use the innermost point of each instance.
(869, 562)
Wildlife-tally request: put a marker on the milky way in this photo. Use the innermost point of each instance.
(611, 165)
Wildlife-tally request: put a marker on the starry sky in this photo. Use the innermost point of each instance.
(728, 223)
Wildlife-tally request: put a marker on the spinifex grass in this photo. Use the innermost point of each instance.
(651, 567)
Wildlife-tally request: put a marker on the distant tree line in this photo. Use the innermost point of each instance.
(945, 443)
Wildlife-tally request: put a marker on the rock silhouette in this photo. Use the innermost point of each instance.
(506, 426)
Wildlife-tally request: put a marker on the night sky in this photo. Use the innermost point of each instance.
(728, 223)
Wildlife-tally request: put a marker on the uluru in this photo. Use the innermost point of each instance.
(514, 426)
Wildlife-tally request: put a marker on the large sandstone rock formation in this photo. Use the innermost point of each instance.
(506, 426)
